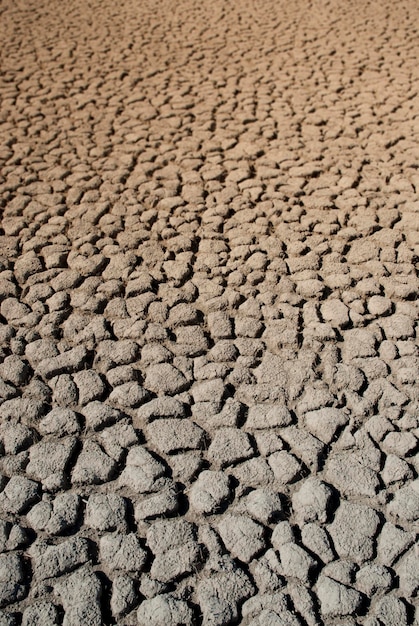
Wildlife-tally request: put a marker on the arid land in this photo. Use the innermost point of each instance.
(209, 366)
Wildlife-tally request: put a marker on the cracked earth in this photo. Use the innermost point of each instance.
(208, 361)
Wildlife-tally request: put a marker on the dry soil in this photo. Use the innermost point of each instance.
(208, 340)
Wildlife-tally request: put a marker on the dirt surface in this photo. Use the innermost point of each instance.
(208, 372)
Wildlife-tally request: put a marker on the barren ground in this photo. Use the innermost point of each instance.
(208, 341)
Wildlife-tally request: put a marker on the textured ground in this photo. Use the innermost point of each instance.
(208, 372)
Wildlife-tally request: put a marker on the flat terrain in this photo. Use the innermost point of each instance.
(208, 323)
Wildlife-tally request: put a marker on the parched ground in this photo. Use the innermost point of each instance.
(208, 363)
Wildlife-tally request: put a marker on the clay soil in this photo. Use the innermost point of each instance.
(208, 322)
